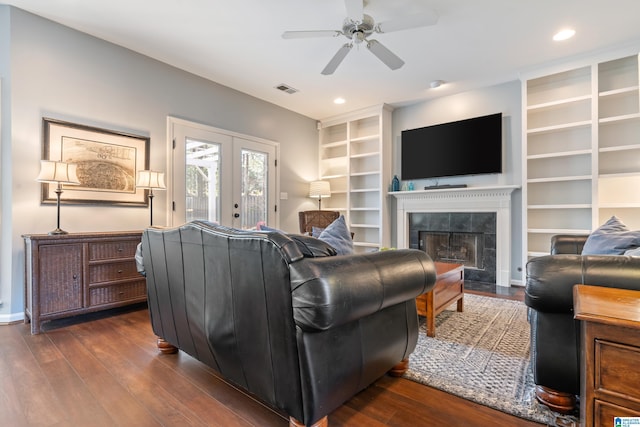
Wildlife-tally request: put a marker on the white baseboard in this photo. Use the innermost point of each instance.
(515, 282)
(6, 319)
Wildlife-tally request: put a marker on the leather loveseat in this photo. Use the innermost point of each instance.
(279, 316)
(555, 335)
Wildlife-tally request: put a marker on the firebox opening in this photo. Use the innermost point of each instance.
(462, 248)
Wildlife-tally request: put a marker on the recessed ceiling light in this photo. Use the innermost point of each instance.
(339, 101)
(436, 83)
(564, 34)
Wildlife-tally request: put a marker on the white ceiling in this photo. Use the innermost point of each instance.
(238, 43)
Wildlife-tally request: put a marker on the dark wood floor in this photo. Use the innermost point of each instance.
(104, 370)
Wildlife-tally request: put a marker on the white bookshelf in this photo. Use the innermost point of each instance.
(581, 151)
(355, 157)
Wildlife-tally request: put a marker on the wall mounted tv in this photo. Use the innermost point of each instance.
(466, 147)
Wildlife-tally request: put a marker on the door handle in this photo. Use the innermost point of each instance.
(236, 215)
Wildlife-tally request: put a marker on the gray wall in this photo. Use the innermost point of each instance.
(49, 70)
(504, 98)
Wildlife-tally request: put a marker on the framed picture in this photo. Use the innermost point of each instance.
(107, 163)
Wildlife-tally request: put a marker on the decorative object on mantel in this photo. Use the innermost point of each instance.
(318, 190)
(150, 180)
(59, 173)
(395, 183)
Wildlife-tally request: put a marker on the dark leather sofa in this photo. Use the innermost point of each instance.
(555, 335)
(279, 316)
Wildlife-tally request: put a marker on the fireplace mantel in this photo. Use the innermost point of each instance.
(469, 199)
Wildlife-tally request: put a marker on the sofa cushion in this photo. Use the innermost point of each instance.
(611, 238)
(337, 234)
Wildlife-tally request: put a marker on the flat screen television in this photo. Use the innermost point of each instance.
(465, 147)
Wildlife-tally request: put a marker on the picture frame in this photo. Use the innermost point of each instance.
(107, 163)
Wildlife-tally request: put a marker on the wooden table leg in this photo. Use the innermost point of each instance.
(431, 315)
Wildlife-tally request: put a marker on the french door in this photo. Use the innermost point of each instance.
(221, 176)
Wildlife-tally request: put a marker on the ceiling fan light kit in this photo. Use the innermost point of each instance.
(358, 27)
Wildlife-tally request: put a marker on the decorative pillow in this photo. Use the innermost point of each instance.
(263, 227)
(633, 252)
(316, 231)
(611, 238)
(337, 235)
(312, 247)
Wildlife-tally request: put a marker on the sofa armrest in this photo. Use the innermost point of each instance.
(568, 243)
(550, 279)
(331, 291)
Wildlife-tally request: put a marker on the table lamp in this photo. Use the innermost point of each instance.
(151, 180)
(318, 190)
(59, 173)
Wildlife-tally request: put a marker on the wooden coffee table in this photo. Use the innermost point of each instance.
(449, 288)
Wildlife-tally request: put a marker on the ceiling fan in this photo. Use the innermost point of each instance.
(358, 26)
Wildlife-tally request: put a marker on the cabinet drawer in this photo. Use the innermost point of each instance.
(616, 370)
(112, 250)
(99, 273)
(115, 293)
(605, 412)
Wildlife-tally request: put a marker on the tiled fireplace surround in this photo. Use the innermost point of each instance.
(480, 225)
(481, 209)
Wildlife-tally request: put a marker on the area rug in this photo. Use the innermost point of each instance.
(482, 355)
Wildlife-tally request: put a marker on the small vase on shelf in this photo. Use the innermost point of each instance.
(395, 183)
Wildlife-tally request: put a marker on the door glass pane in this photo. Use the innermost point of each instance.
(202, 179)
(254, 188)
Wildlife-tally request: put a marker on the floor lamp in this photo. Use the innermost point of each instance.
(318, 190)
(59, 173)
(151, 180)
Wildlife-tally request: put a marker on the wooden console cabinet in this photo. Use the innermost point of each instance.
(610, 353)
(73, 274)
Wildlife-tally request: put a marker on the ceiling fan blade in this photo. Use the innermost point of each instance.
(310, 34)
(385, 55)
(355, 9)
(337, 59)
(410, 21)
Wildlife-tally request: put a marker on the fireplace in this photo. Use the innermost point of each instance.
(490, 199)
(467, 238)
(459, 248)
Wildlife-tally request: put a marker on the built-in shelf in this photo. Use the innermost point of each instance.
(558, 154)
(366, 138)
(545, 129)
(633, 116)
(580, 144)
(574, 206)
(559, 102)
(365, 173)
(355, 154)
(621, 91)
(560, 178)
(558, 231)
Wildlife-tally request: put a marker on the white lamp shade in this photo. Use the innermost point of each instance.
(58, 172)
(319, 189)
(151, 179)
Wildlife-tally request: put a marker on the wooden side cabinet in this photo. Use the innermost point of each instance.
(610, 353)
(73, 274)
